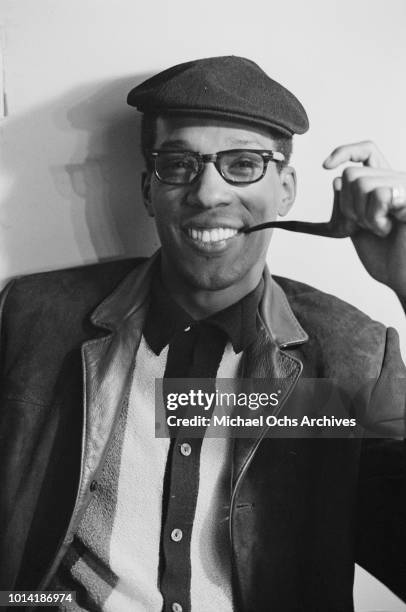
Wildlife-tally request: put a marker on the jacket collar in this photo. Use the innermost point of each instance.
(130, 298)
(277, 315)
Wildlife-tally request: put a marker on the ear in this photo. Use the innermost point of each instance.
(146, 192)
(288, 186)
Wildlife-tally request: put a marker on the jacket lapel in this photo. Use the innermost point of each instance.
(108, 366)
(266, 359)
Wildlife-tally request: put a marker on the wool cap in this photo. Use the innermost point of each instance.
(227, 87)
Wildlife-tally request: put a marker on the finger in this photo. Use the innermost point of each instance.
(356, 190)
(357, 183)
(353, 172)
(374, 209)
(371, 179)
(377, 211)
(397, 208)
(354, 195)
(365, 152)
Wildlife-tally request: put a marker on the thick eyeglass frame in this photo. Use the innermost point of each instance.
(215, 158)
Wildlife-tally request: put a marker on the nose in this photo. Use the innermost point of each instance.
(210, 190)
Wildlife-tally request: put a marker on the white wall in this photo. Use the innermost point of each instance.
(69, 159)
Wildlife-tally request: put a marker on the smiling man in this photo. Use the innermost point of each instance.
(91, 500)
(202, 204)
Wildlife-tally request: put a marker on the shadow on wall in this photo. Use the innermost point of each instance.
(98, 190)
(109, 177)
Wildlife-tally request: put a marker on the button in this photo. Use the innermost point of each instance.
(93, 485)
(186, 330)
(176, 535)
(176, 607)
(185, 449)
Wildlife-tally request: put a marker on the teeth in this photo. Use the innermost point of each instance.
(213, 235)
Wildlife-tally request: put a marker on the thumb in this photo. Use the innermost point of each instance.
(346, 223)
(337, 183)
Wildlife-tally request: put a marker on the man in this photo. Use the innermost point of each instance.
(91, 501)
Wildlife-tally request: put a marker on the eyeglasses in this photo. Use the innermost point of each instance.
(236, 166)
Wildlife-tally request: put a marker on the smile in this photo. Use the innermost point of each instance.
(212, 235)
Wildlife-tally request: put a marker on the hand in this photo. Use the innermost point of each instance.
(365, 196)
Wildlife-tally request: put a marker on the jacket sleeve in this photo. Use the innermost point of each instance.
(381, 508)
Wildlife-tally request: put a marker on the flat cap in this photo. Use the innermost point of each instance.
(227, 87)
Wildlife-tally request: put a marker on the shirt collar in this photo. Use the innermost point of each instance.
(166, 318)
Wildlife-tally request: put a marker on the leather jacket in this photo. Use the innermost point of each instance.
(302, 511)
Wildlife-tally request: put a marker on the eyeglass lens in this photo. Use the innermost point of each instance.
(176, 167)
(183, 167)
